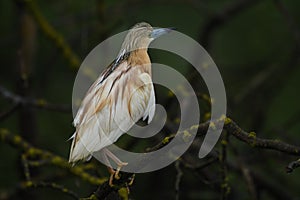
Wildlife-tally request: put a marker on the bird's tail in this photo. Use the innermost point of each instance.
(77, 151)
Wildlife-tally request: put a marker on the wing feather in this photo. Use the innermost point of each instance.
(111, 108)
(150, 110)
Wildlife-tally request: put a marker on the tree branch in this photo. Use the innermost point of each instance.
(290, 20)
(293, 165)
(36, 153)
(52, 34)
(251, 139)
(11, 110)
(248, 137)
(104, 189)
(32, 184)
(221, 18)
(38, 103)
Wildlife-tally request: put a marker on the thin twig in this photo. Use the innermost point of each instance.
(293, 165)
(11, 110)
(246, 172)
(37, 103)
(104, 190)
(222, 18)
(33, 184)
(251, 139)
(248, 137)
(225, 189)
(52, 34)
(36, 153)
(178, 179)
(293, 25)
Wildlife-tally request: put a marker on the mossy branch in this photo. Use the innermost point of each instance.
(232, 128)
(32, 184)
(104, 189)
(292, 166)
(251, 139)
(52, 34)
(26, 101)
(33, 152)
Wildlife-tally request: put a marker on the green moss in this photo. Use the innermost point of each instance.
(65, 190)
(56, 160)
(227, 121)
(252, 135)
(224, 142)
(41, 102)
(17, 139)
(92, 197)
(31, 151)
(123, 192)
(224, 185)
(212, 125)
(3, 133)
(206, 98)
(77, 170)
(166, 140)
(186, 136)
(207, 116)
(28, 184)
(194, 127)
(170, 94)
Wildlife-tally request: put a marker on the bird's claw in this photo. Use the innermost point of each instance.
(116, 174)
(110, 182)
(131, 181)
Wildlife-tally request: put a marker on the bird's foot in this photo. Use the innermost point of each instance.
(120, 165)
(131, 181)
(110, 182)
(115, 174)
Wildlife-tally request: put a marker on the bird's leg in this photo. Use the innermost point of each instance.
(117, 172)
(129, 184)
(111, 178)
(109, 168)
(119, 163)
(131, 181)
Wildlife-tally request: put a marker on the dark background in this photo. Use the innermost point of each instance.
(255, 45)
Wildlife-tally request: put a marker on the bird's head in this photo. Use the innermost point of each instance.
(141, 35)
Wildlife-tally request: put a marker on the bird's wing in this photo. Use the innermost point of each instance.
(98, 84)
(150, 110)
(110, 109)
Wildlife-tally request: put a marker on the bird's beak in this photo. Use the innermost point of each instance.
(160, 31)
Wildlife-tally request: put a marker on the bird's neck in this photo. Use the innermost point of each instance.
(140, 58)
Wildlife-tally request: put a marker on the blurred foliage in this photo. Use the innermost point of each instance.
(255, 44)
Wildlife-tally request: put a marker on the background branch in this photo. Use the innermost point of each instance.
(37, 103)
(52, 34)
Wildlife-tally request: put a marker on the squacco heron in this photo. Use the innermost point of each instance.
(122, 95)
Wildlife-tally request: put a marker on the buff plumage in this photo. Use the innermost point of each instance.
(122, 95)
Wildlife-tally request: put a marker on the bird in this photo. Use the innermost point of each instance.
(121, 95)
